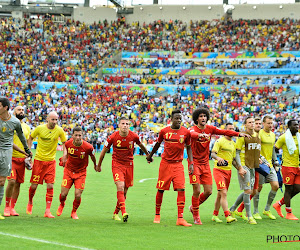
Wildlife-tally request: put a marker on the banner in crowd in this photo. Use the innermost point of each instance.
(44, 86)
(242, 55)
(211, 55)
(150, 89)
(125, 71)
(158, 54)
(199, 72)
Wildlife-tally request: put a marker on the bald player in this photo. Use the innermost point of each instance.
(44, 162)
(18, 167)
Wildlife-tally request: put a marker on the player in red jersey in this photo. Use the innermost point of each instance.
(122, 162)
(77, 154)
(171, 168)
(200, 138)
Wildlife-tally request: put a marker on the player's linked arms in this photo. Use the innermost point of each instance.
(203, 136)
(221, 161)
(64, 160)
(191, 168)
(242, 171)
(98, 168)
(244, 135)
(276, 165)
(149, 159)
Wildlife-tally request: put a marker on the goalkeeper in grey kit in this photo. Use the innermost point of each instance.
(8, 125)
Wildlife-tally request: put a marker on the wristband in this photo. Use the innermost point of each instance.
(27, 151)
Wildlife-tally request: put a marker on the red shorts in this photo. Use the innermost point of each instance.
(71, 177)
(123, 172)
(43, 170)
(290, 175)
(17, 170)
(170, 172)
(202, 175)
(222, 178)
(256, 181)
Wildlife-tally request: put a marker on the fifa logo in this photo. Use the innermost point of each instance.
(254, 146)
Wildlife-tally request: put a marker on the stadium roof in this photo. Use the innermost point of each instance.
(149, 2)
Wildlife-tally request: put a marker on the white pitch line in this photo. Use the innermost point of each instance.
(147, 179)
(44, 241)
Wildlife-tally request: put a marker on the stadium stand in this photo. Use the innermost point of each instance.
(35, 54)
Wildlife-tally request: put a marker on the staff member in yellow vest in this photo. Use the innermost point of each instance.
(289, 143)
(224, 152)
(18, 167)
(256, 216)
(247, 156)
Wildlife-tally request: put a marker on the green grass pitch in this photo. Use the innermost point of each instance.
(95, 228)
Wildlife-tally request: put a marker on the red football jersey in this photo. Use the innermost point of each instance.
(200, 146)
(175, 140)
(78, 157)
(122, 146)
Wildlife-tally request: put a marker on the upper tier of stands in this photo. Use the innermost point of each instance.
(72, 51)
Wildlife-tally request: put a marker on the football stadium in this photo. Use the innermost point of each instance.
(149, 124)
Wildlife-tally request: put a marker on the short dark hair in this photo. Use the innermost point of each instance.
(123, 118)
(248, 117)
(197, 112)
(290, 122)
(267, 117)
(176, 111)
(77, 129)
(228, 123)
(5, 102)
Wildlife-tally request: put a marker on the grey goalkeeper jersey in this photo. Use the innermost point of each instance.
(7, 129)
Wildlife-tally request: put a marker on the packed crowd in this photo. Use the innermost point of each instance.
(251, 35)
(54, 52)
(69, 52)
(211, 64)
(153, 64)
(97, 108)
(203, 80)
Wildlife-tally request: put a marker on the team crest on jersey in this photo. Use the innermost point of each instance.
(181, 140)
(82, 155)
(4, 129)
